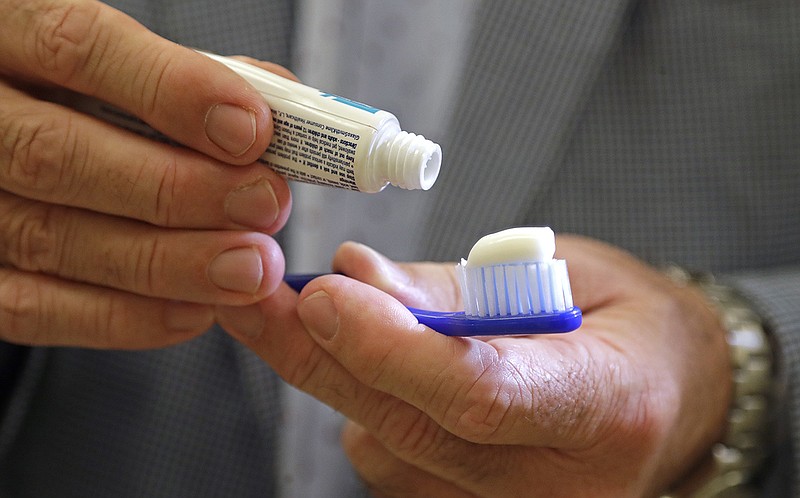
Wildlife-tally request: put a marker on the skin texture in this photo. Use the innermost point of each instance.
(622, 407)
(108, 239)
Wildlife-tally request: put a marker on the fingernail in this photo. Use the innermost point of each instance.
(254, 205)
(319, 315)
(232, 128)
(244, 320)
(239, 270)
(183, 317)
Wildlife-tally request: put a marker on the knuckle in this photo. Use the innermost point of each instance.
(316, 374)
(66, 37)
(418, 437)
(34, 237)
(21, 310)
(378, 371)
(31, 313)
(164, 201)
(487, 405)
(102, 316)
(40, 152)
(147, 188)
(141, 269)
(149, 85)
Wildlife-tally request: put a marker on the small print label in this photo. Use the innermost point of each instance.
(308, 151)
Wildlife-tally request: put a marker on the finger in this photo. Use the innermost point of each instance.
(544, 391)
(56, 155)
(388, 475)
(39, 310)
(268, 66)
(93, 49)
(420, 285)
(200, 266)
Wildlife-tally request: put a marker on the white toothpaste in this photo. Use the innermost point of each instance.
(513, 272)
(514, 245)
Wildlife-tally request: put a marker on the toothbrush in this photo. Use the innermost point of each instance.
(510, 284)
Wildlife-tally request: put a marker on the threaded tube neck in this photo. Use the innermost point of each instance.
(412, 161)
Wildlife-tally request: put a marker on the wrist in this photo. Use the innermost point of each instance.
(738, 456)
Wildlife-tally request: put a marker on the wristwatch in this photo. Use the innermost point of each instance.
(736, 459)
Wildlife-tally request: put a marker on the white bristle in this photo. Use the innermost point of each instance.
(515, 288)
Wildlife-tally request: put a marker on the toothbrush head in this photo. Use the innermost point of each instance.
(510, 285)
(513, 273)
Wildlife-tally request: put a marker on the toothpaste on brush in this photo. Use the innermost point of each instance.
(510, 285)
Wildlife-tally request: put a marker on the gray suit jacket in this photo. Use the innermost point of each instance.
(666, 127)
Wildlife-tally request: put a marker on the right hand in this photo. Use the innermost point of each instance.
(624, 406)
(108, 239)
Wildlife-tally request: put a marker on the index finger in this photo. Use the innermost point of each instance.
(96, 50)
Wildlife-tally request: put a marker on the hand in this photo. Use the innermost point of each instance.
(624, 406)
(108, 239)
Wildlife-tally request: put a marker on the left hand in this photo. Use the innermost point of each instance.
(113, 240)
(622, 407)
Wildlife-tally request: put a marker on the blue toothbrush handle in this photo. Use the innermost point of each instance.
(459, 324)
(299, 280)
